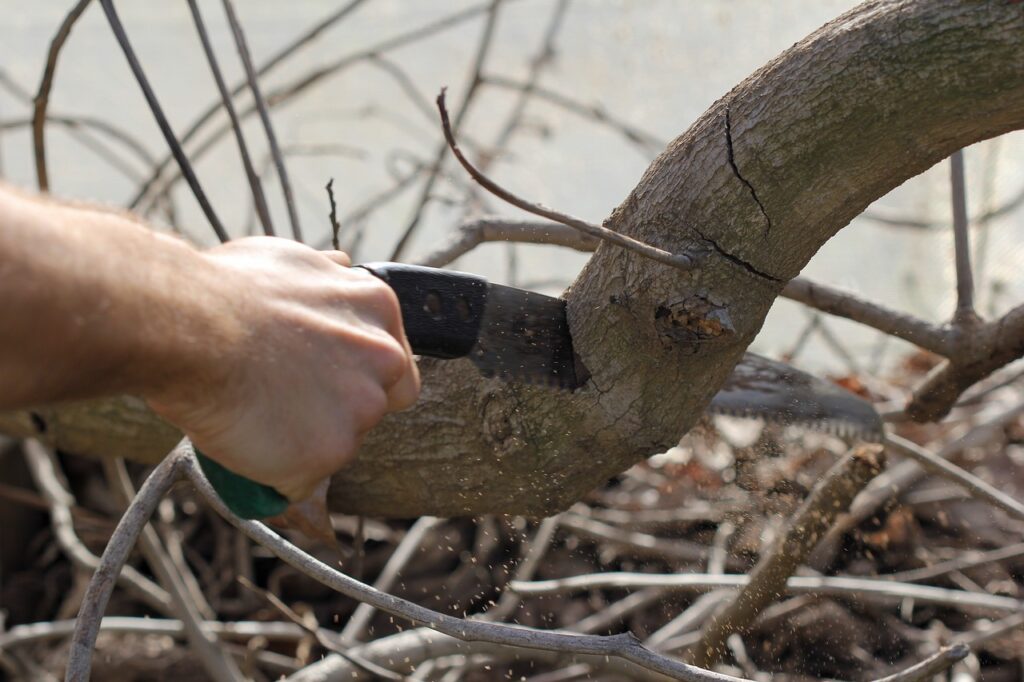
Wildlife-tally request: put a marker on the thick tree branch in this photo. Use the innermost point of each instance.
(866, 102)
(830, 497)
(842, 304)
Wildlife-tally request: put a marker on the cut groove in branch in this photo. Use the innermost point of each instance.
(678, 261)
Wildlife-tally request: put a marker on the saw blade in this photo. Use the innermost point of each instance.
(760, 388)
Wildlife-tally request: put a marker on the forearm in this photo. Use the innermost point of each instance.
(93, 303)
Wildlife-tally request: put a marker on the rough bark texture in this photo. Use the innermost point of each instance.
(759, 183)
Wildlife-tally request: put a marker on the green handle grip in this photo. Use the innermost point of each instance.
(246, 498)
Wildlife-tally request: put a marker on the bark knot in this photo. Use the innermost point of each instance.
(693, 321)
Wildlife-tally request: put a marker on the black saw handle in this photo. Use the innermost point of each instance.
(441, 309)
(441, 312)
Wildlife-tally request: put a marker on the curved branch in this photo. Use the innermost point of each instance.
(42, 99)
(626, 647)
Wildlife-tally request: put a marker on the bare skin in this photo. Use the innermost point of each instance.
(274, 358)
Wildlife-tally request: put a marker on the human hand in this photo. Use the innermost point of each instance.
(305, 355)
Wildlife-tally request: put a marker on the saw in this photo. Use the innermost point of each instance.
(522, 336)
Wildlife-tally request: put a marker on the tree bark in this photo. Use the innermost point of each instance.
(762, 179)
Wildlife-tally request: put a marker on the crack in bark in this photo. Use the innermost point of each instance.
(737, 260)
(736, 170)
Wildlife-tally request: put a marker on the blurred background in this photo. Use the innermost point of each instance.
(572, 101)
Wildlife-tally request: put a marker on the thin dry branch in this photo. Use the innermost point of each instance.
(414, 647)
(496, 229)
(42, 98)
(33, 633)
(158, 113)
(189, 605)
(832, 495)
(902, 476)
(626, 646)
(255, 186)
(120, 546)
(333, 215)
(940, 466)
(286, 52)
(678, 261)
(962, 244)
(937, 663)
(472, 88)
(856, 588)
(399, 559)
(963, 562)
(252, 77)
(322, 638)
(850, 306)
(648, 143)
(42, 465)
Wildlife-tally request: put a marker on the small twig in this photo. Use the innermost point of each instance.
(255, 186)
(940, 466)
(318, 633)
(42, 98)
(636, 542)
(614, 613)
(161, 120)
(413, 647)
(678, 261)
(333, 216)
(832, 495)
(961, 241)
(39, 632)
(625, 646)
(121, 542)
(261, 106)
(472, 88)
(933, 665)
(960, 563)
(403, 554)
(695, 615)
(495, 229)
(43, 468)
(301, 41)
(538, 547)
(905, 474)
(994, 630)
(848, 305)
(190, 607)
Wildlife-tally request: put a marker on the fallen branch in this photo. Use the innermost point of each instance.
(188, 605)
(43, 468)
(625, 646)
(767, 582)
(121, 542)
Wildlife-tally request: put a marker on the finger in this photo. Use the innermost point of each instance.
(339, 257)
(404, 392)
